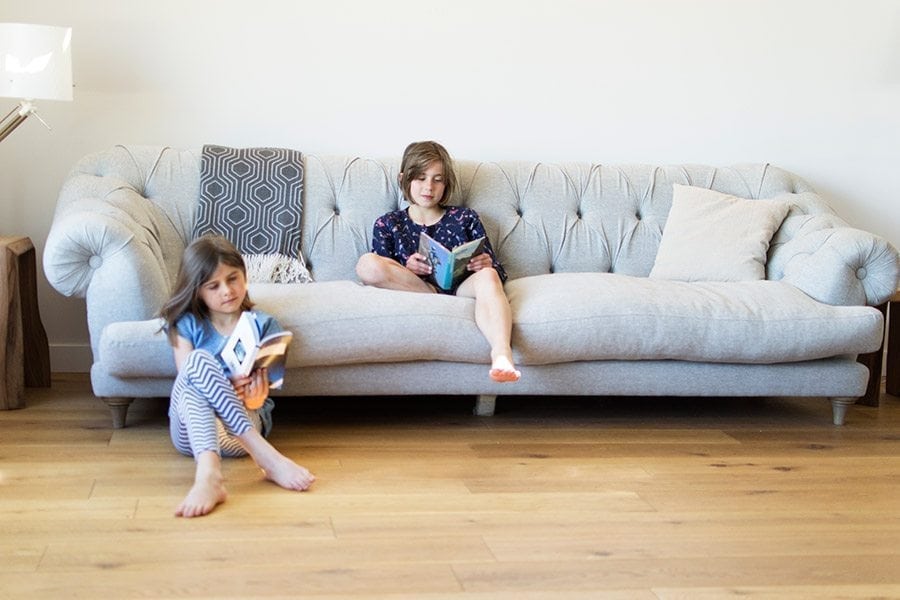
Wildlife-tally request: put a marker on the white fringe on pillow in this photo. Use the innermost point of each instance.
(276, 268)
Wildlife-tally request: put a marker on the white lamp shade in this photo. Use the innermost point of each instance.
(35, 61)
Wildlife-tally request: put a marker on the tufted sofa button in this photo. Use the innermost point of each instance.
(337, 211)
(95, 261)
(638, 215)
(861, 273)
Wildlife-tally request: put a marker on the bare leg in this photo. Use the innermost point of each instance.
(277, 467)
(494, 318)
(382, 272)
(208, 490)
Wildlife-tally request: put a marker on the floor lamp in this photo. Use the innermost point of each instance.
(35, 64)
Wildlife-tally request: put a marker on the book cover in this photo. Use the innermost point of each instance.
(244, 351)
(448, 267)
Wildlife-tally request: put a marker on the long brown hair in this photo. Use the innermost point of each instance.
(201, 259)
(416, 159)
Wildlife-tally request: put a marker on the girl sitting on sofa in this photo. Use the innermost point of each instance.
(212, 413)
(428, 182)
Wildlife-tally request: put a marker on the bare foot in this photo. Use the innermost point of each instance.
(207, 493)
(288, 474)
(277, 467)
(503, 371)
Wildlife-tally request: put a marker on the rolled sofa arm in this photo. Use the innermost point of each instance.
(836, 264)
(109, 252)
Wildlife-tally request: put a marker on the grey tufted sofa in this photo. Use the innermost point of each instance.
(578, 241)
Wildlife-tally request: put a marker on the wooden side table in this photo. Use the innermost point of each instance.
(25, 357)
(892, 368)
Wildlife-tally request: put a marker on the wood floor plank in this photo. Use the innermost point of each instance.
(230, 582)
(99, 531)
(142, 552)
(645, 450)
(832, 592)
(38, 510)
(679, 572)
(687, 542)
(608, 525)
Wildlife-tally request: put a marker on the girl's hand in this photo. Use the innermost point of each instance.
(253, 389)
(482, 261)
(418, 264)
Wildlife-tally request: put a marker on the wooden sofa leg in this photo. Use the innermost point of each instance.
(485, 405)
(118, 407)
(839, 408)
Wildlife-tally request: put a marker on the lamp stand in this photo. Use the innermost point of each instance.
(16, 116)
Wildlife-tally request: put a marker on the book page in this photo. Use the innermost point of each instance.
(272, 351)
(462, 254)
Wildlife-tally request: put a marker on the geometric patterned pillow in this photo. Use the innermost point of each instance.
(252, 196)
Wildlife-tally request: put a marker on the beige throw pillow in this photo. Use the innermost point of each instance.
(711, 236)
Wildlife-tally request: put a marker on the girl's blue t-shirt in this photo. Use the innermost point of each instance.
(203, 336)
(396, 236)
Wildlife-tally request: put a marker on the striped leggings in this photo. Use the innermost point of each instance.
(205, 414)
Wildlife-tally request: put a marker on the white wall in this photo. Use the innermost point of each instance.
(808, 85)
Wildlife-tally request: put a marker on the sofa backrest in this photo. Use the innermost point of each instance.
(541, 218)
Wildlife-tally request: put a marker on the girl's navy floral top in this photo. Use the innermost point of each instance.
(396, 236)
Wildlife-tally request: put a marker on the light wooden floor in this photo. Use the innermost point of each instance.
(553, 498)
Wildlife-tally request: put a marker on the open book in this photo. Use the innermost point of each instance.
(448, 267)
(244, 352)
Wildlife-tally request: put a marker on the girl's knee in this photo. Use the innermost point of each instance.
(202, 369)
(364, 267)
(370, 268)
(487, 279)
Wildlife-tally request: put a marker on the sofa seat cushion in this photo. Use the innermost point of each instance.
(343, 322)
(600, 316)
